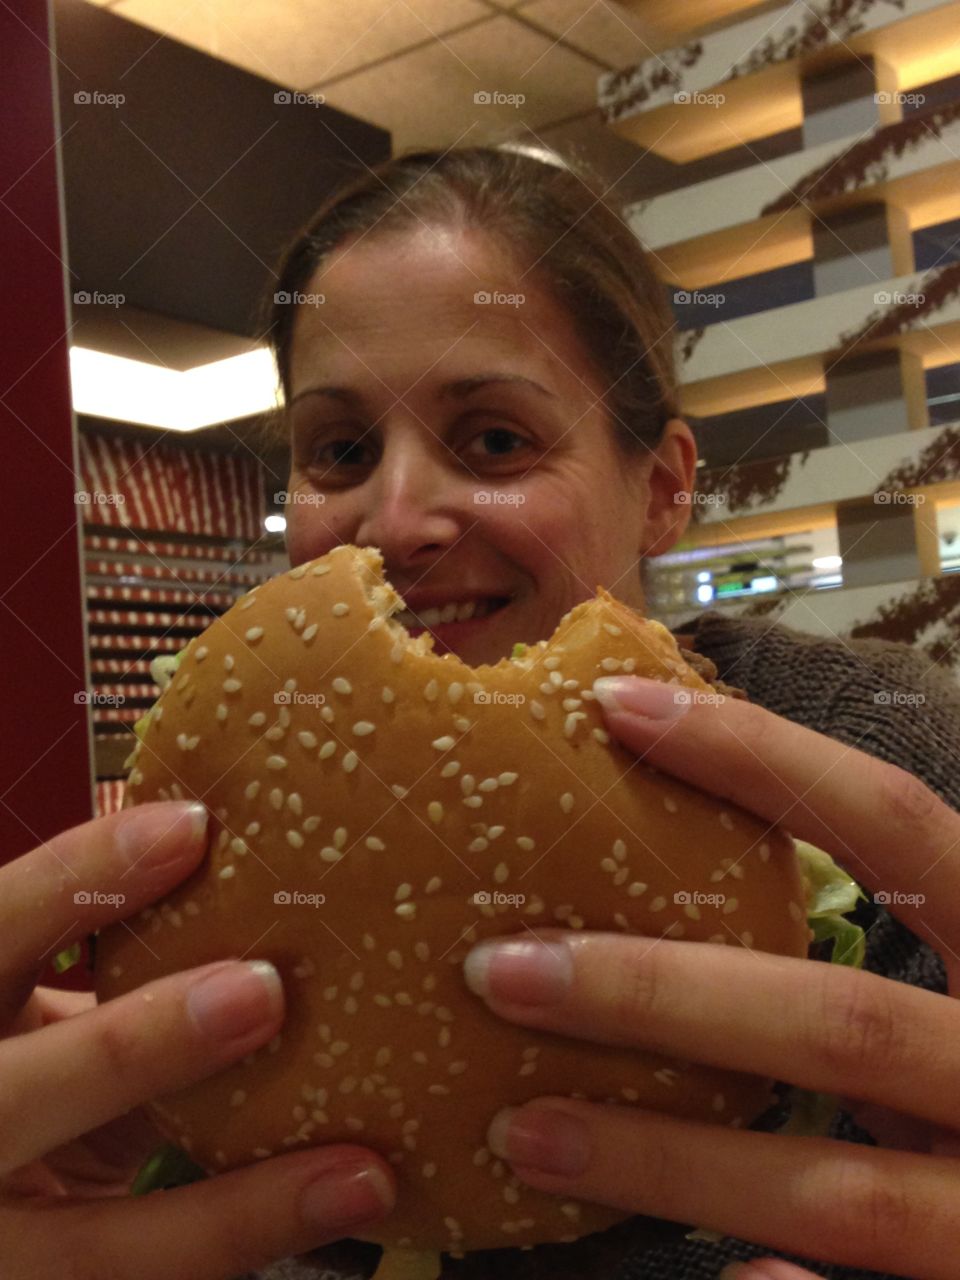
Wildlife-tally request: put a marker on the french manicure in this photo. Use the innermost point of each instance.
(235, 999)
(542, 1138)
(344, 1198)
(519, 971)
(636, 695)
(152, 836)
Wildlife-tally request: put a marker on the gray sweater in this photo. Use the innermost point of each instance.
(828, 685)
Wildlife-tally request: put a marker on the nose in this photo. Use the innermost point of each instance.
(411, 509)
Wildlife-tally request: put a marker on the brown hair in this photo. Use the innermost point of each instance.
(550, 213)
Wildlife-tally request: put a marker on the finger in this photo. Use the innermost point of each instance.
(765, 1269)
(155, 1040)
(889, 829)
(839, 1202)
(211, 1230)
(849, 1032)
(87, 877)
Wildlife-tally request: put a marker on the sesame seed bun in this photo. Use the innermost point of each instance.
(419, 797)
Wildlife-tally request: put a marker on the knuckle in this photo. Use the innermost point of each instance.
(906, 800)
(862, 1201)
(850, 1028)
(638, 982)
(118, 1042)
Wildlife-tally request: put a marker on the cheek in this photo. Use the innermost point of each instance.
(313, 529)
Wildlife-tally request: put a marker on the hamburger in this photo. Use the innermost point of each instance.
(376, 809)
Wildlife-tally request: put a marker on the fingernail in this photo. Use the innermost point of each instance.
(541, 1138)
(157, 835)
(639, 696)
(344, 1199)
(235, 999)
(519, 972)
(732, 1271)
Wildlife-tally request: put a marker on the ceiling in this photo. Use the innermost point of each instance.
(413, 66)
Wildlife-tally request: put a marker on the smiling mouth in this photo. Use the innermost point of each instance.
(469, 611)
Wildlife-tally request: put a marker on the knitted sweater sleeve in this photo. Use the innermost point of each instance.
(882, 698)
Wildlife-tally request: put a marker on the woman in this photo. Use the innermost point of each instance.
(478, 380)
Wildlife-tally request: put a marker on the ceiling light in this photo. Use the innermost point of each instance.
(108, 386)
(275, 524)
(827, 562)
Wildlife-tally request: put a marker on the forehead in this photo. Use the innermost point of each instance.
(409, 298)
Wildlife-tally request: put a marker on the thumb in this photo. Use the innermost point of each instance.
(765, 1269)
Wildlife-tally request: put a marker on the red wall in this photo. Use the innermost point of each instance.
(45, 782)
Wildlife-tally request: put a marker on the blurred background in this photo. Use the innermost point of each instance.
(793, 167)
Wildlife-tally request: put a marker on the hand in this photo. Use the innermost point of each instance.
(823, 1027)
(73, 1075)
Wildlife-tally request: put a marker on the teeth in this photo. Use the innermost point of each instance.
(450, 612)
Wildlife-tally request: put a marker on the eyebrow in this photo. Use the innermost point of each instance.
(458, 389)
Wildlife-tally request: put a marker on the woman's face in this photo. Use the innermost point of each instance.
(468, 441)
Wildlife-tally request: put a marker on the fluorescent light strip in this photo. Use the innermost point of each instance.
(108, 386)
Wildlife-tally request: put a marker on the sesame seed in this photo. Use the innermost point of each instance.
(232, 685)
(201, 653)
(731, 905)
(274, 734)
(444, 743)
(387, 694)
(488, 784)
(375, 843)
(571, 1210)
(398, 791)
(403, 997)
(746, 938)
(636, 888)
(238, 846)
(478, 845)
(327, 750)
(435, 811)
(525, 842)
(363, 727)
(455, 691)
(319, 570)
(507, 779)
(467, 784)
(510, 1194)
(431, 689)
(326, 714)
(382, 1000)
(307, 739)
(725, 820)
(450, 769)
(764, 852)
(440, 1090)
(276, 762)
(536, 710)
(658, 903)
(461, 724)
(621, 920)
(566, 801)
(601, 735)
(349, 762)
(670, 804)
(257, 719)
(406, 910)
(403, 892)
(608, 864)
(228, 662)
(429, 1169)
(340, 837)
(433, 884)
(547, 688)
(221, 711)
(294, 803)
(342, 685)
(551, 664)
(253, 634)
(500, 872)
(329, 854)
(276, 798)
(691, 910)
(340, 609)
(473, 802)
(295, 839)
(396, 653)
(227, 873)
(619, 850)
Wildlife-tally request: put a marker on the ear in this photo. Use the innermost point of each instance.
(673, 472)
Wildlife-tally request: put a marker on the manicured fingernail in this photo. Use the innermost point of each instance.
(519, 972)
(157, 835)
(541, 1138)
(235, 999)
(639, 696)
(340, 1198)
